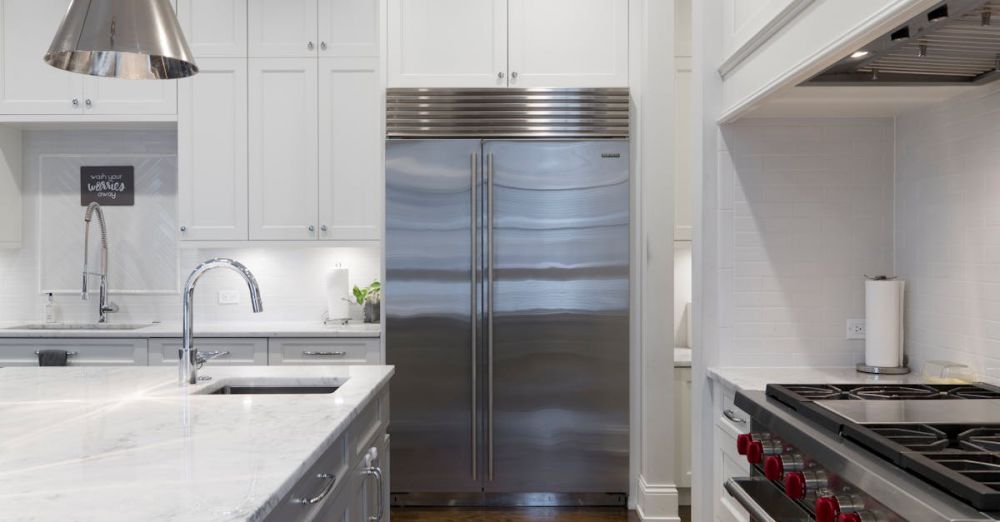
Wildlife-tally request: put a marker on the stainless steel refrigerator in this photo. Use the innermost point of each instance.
(507, 296)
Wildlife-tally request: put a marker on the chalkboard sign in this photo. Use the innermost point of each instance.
(109, 186)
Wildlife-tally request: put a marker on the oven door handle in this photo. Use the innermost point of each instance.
(764, 501)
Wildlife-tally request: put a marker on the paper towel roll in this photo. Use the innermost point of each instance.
(336, 291)
(884, 323)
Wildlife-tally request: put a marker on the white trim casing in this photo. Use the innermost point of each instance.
(768, 30)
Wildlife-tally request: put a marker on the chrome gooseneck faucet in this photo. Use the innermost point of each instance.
(189, 359)
(104, 306)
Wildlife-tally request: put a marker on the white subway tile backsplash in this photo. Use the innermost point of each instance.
(811, 214)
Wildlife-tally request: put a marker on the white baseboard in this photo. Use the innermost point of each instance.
(657, 501)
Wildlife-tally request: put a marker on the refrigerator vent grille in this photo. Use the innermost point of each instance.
(507, 113)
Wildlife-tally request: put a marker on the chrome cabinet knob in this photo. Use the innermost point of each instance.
(513, 75)
(312, 228)
(500, 75)
(310, 46)
(88, 103)
(184, 228)
(323, 228)
(76, 102)
(322, 46)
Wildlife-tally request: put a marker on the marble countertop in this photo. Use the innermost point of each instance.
(209, 329)
(128, 444)
(759, 378)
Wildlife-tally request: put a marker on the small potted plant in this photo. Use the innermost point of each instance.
(370, 298)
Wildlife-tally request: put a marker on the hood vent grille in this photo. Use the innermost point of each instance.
(961, 49)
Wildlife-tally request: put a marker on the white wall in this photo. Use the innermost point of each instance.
(291, 279)
(803, 213)
(948, 230)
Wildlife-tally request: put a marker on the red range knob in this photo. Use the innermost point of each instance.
(743, 442)
(755, 452)
(773, 469)
(795, 485)
(827, 509)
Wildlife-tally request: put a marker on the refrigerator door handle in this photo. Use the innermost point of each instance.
(489, 314)
(474, 169)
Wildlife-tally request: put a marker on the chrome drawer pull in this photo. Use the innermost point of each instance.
(325, 354)
(731, 415)
(322, 494)
(68, 354)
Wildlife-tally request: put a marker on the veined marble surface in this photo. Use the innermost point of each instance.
(130, 444)
(759, 378)
(207, 329)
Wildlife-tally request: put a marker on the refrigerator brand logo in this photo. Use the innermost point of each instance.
(607, 155)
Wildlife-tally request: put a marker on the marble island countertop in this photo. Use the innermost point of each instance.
(128, 444)
(205, 329)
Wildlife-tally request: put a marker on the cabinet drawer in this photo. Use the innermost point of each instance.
(727, 415)
(241, 352)
(323, 351)
(83, 352)
(316, 484)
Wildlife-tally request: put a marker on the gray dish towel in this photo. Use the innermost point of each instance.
(52, 357)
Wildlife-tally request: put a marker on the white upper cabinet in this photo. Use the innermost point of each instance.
(500, 43)
(212, 151)
(447, 43)
(214, 28)
(350, 161)
(27, 84)
(117, 96)
(283, 28)
(284, 148)
(568, 43)
(349, 28)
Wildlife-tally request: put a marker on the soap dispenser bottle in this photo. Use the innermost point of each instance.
(51, 309)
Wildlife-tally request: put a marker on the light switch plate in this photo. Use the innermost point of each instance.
(229, 297)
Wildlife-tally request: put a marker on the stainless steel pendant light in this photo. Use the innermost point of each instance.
(132, 39)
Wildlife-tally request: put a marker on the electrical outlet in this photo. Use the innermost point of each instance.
(856, 329)
(229, 297)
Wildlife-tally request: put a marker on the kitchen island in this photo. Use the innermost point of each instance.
(89, 444)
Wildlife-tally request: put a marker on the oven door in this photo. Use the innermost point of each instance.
(764, 501)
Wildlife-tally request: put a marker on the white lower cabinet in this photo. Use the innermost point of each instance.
(729, 422)
(82, 352)
(233, 351)
(350, 481)
(342, 350)
(682, 416)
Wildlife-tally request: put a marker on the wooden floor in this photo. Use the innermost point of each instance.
(520, 515)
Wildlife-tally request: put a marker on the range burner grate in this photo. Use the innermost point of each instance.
(895, 393)
(917, 437)
(980, 439)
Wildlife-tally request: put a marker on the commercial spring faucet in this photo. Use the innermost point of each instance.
(189, 359)
(104, 306)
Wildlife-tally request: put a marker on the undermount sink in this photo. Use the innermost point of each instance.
(79, 326)
(273, 390)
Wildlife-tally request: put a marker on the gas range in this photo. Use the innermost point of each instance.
(872, 453)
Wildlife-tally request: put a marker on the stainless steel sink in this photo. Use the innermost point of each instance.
(273, 390)
(79, 326)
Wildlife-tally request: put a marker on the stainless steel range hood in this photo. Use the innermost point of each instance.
(955, 43)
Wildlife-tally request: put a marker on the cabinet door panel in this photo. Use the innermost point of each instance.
(212, 151)
(447, 43)
(349, 28)
(83, 352)
(241, 352)
(568, 43)
(214, 28)
(283, 149)
(350, 164)
(118, 96)
(283, 28)
(325, 351)
(27, 84)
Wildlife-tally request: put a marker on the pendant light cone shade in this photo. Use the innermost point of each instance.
(131, 39)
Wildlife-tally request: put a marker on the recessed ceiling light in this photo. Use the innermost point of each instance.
(859, 54)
